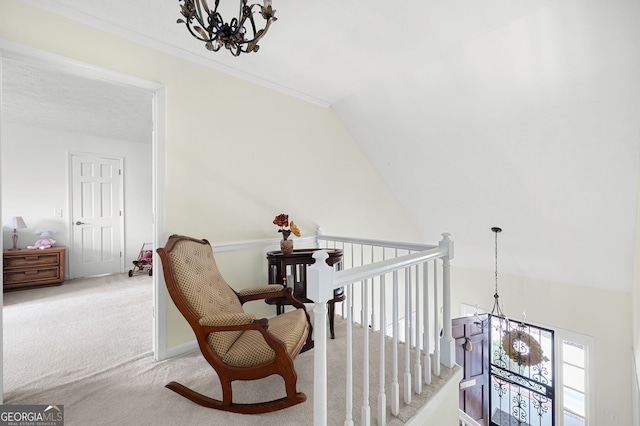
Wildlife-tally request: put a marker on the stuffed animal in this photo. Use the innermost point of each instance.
(44, 242)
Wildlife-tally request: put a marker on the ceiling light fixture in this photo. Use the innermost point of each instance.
(238, 35)
(497, 309)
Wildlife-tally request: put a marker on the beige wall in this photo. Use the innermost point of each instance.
(237, 154)
(603, 315)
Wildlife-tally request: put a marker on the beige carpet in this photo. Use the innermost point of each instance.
(87, 345)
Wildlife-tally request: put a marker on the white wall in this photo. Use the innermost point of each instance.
(237, 154)
(601, 314)
(442, 409)
(36, 183)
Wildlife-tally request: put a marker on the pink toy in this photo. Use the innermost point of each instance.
(44, 242)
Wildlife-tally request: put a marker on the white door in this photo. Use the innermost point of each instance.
(96, 215)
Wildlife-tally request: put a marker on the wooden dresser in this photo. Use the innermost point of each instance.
(26, 268)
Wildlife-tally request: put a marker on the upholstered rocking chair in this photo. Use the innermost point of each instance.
(236, 344)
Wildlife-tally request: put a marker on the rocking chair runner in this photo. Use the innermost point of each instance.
(236, 344)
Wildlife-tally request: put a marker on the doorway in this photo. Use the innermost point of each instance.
(155, 153)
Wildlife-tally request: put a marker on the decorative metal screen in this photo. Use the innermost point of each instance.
(521, 374)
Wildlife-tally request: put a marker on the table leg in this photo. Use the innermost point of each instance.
(332, 311)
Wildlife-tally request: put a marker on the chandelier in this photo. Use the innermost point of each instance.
(238, 35)
(497, 309)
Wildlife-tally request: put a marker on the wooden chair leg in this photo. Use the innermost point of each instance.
(332, 311)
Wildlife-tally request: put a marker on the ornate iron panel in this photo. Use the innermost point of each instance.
(521, 374)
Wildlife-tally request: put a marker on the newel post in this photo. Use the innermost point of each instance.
(447, 344)
(320, 290)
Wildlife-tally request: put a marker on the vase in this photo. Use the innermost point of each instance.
(286, 246)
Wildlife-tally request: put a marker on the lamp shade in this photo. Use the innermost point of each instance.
(15, 222)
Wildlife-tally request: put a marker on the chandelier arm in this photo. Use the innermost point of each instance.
(200, 30)
(268, 19)
(198, 15)
(233, 36)
(235, 50)
(253, 43)
(202, 36)
(199, 4)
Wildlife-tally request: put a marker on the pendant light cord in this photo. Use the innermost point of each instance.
(497, 310)
(496, 258)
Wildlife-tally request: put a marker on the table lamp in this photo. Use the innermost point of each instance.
(15, 222)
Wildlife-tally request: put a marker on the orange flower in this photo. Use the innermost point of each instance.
(295, 229)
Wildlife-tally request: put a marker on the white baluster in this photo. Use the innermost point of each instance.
(417, 368)
(366, 410)
(436, 323)
(374, 322)
(348, 421)
(407, 337)
(427, 338)
(362, 294)
(382, 396)
(352, 266)
(395, 387)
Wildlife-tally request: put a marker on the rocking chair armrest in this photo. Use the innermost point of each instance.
(258, 324)
(260, 292)
(269, 288)
(231, 319)
(285, 292)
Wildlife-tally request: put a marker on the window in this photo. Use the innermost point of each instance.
(574, 351)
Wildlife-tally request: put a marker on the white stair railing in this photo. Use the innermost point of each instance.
(409, 264)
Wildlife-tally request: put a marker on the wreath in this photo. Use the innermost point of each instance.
(522, 348)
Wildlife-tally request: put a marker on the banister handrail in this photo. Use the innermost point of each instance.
(377, 243)
(266, 242)
(359, 273)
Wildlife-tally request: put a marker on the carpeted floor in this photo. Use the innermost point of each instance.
(87, 345)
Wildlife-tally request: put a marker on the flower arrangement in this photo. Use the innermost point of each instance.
(286, 226)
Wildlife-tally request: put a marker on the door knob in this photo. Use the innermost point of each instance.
(80, 223)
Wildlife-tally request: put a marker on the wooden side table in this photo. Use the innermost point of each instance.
(295, 265)
(27, 268)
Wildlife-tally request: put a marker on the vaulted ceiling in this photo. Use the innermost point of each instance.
(513, 113)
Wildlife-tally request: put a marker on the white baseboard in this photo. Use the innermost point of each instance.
(181, 349)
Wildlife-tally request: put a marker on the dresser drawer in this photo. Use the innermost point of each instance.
(24, 269)
(34, 259)
(33, 276)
